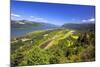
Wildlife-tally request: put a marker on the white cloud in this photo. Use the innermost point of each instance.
(84, 20)
(15, 15)
(92, 19)
(38, 19)
(89, 20)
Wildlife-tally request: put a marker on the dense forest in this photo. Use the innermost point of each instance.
(53, 47)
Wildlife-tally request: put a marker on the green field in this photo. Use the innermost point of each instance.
(53, 47)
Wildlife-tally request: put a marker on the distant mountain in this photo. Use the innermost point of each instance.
(80, 26)
(30, 24)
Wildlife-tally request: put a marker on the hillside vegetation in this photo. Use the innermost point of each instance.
(53, 47)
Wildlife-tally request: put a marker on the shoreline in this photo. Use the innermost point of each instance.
(27, 33)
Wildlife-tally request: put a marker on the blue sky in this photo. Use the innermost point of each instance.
(58, 14)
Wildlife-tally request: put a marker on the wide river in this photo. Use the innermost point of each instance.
(15, 32)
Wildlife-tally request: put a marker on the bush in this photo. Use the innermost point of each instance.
(37, 56)
(88, 54)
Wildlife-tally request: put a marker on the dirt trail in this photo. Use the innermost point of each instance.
(45, 44)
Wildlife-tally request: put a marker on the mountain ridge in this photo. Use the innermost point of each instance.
(89, 26)
(27, 24)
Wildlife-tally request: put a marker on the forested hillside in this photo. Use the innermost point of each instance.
(53, 47)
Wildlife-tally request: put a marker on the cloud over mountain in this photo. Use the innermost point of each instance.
(39, 19)
(15, 15)
(89, 20)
